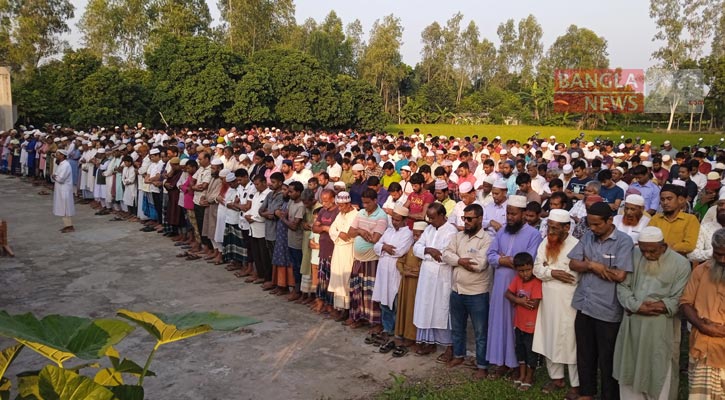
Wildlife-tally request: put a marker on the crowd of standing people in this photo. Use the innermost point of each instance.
(590, 258)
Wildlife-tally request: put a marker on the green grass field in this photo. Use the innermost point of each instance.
(523, 132)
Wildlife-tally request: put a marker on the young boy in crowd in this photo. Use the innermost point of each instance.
(525, 294)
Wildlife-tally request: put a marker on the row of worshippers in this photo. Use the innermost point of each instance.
(216, 245)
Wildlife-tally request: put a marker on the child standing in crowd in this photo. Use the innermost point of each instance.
(525, 294)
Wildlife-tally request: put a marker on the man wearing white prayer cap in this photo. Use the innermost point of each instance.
(646, 353)
(468, 196)
(442, 196)
(554, 331)
(634, 219)
(63, 202)
(494, 213)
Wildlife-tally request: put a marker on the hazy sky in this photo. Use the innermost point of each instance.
(624, 23)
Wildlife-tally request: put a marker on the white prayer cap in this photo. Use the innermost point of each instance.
(56, 140)
(64, 138)
(420, 225)
(384, 153)
(358, 167)
(224, 172)
(134, 156)
(465, 187)
(678, 182)
(666, 158)
(713, 176)
(101, 151)
(220, 146)
(277, 147)
(590, 144)
(720, 166)
(643, 155)
(667, 142)
(635, 199)
(406, 168)
(230, 177)
(440, 184)
(400, 210)
(500, 184)
(430, 154)
(243, 157)
(154, 151)
(552, 137)
(216, 161)
(490, 179)
(205, 142)
(517, 201)
(439, 152)
(651, 234)
(342, 197)
(447, 163)
(339, 184)
(561, 216)
(647, 163)
(183, 161)
(137, 136)
(63, 152)
(504, 152)
(545, 144)
(702, 150)
(486, 152)
(620, 169)
(568, 169)
(575, 155)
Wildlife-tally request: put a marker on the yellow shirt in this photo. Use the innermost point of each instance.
(680, 233)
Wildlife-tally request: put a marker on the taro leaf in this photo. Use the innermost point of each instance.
(77, 368)
(108, 377)
(171, 328)
(7, 356)
(28, 386)
(60, 384)
(129, 367)
(60, 338)
(127, 392)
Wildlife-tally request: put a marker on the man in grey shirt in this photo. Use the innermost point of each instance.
(292, 218)
(603, 258)
(272, 203)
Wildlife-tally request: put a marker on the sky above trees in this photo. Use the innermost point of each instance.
(625, 24)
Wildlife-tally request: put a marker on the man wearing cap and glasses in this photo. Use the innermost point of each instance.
(645, 357)
(603, 258)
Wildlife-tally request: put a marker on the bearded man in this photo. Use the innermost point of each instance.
(645, 357)
(634, 220)
(703, 248)
(554, 332)
(515, 237)
(701, 305)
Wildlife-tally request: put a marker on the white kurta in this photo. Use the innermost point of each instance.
(342, 259)
(387, 277)
(554, 331)
(63, 205)
(109, 173)
(434, 281)
(632, 231)
(129, 185)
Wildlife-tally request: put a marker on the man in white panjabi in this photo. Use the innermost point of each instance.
(394, 243)
(634, 219)
(342, 257)
(432, 299)
(63, 203)
(554, 332)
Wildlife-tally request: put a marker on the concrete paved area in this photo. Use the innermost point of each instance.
(105, 266)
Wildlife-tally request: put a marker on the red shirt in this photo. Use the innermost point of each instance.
(416, 203)
(525, 319)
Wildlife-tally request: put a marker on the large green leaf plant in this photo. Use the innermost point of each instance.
(62, 338)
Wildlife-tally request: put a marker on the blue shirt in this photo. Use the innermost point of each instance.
(613, 194)
(595, 296)
(651, 194)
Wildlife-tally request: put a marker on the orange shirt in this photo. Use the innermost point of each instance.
(708, 299)
(525, 319)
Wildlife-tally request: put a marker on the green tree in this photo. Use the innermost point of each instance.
(180, 17)
(579, 48)
(530, 48)
(253, 25)
(381, 62)
(117, 31)
(190, 79)
(328, 44)
(31, 31)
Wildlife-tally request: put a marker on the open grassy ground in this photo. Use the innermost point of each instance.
(523, 132)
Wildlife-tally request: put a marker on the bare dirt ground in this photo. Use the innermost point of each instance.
(105, 266)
